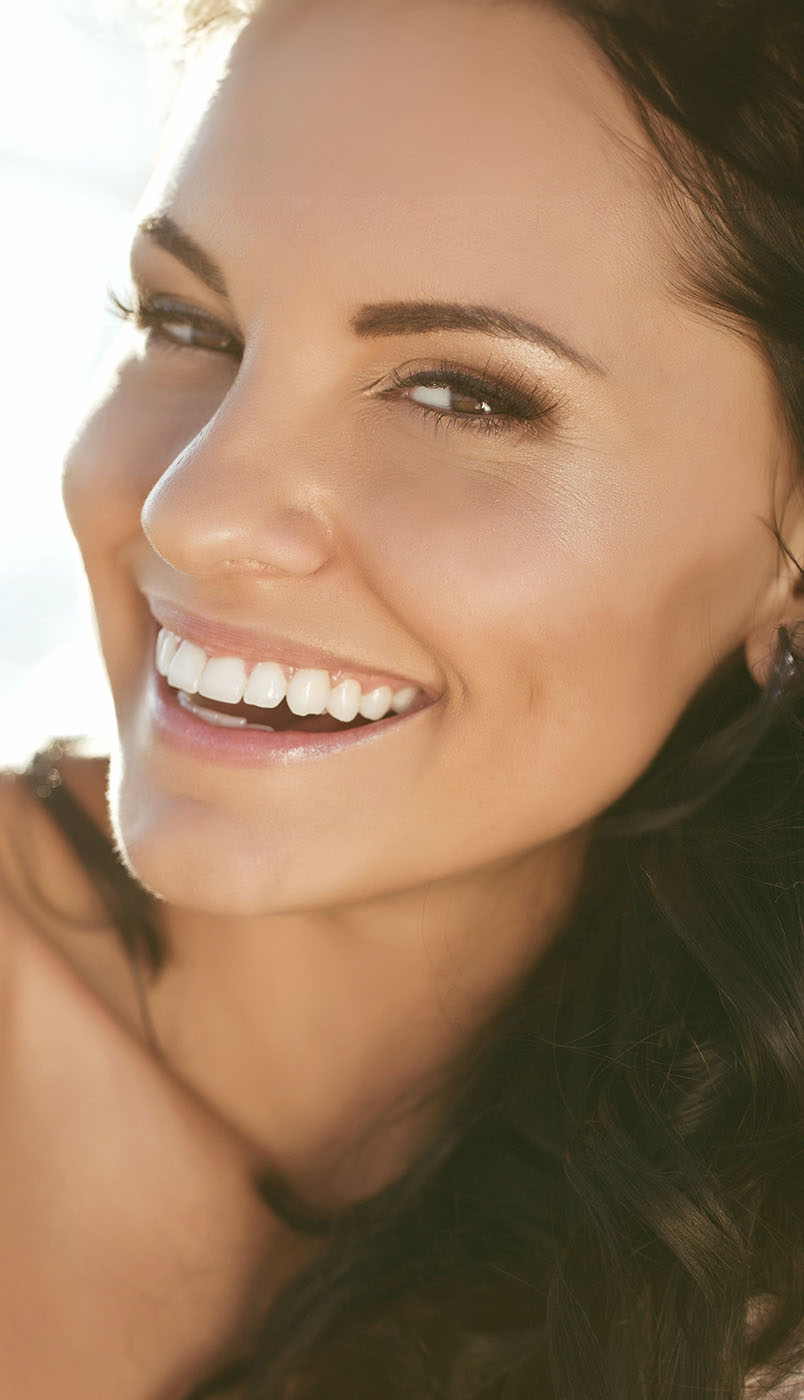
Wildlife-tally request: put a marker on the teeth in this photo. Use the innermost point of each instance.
(186, 668)
(167, 644)
(223, 678)
(308, 693)
(215, 717)
(344, 701)
(190, 670)
(377, 703)
(267, 685)
(403, 699)
(211, 716)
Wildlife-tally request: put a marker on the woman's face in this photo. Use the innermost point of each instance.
(548, 515)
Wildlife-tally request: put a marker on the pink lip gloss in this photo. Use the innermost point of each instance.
(251, 747)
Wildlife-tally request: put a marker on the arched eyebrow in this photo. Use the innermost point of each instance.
(384, 318)
(412, 317)
(165, 232)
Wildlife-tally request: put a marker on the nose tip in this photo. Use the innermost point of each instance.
(206, 520)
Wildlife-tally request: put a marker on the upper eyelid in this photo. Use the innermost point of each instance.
(543, 418)
(489, 384)
(534, 402)
(527, 397)
(144, 311)
(144, 293)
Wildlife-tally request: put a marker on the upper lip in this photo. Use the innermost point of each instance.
(223, 639)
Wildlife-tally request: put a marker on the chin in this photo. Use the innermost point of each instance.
(193, 858)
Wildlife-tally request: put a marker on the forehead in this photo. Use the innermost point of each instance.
(428, 147)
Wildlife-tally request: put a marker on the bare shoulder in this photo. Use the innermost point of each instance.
(41, 876)
(15, 815)
(13, 923)
(49, 897)
(23, 841)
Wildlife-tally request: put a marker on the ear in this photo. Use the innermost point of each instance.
(783, 607)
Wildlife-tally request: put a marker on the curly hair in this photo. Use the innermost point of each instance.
(613, 1208)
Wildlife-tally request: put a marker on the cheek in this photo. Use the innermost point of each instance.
(118, 453)
(575, 624)
(122, 448)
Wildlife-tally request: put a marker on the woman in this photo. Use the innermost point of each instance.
(443, 517)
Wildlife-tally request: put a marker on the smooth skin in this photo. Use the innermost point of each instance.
(565, 585)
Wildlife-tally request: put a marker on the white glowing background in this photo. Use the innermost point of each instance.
(82, 97)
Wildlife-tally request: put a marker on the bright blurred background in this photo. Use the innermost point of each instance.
(84, 89)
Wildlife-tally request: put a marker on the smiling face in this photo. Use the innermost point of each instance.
(427, 404)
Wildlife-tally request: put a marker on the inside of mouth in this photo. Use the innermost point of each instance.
(281, 717)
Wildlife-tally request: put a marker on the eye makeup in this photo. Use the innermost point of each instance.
(453, 395)
(492, 404)
(177, 324)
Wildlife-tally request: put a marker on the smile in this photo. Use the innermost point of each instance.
(225, 692)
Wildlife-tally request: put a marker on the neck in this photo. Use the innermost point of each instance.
(302, 1028)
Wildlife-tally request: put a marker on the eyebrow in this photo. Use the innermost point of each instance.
(410, 317)
(165, 232)
(384, 318)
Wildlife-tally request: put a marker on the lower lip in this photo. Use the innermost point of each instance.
(250, 747)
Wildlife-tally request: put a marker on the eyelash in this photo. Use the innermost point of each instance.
(519, 409)
(151, 314)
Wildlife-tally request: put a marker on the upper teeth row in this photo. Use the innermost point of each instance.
(189, 668)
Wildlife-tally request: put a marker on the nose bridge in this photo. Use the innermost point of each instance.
(242, 494)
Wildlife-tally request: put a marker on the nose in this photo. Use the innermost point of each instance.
(237, 499)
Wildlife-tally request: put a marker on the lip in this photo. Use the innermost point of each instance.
(221, 639)
(252, 747)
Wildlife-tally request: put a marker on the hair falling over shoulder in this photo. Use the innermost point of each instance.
(614, 1209)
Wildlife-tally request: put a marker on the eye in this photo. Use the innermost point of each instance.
(452, 397)
(175, 324)
(445, 398)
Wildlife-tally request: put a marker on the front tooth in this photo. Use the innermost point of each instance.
(267, 685)
(167, 644)
(223, 678)
(403, 699)
(308, 692)
(344, 701)
(377, 702)
(185, 669)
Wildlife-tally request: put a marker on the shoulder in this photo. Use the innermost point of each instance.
(45, 893)
(41, 875)
(15, 817)
(56, 859)
(13, 924)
